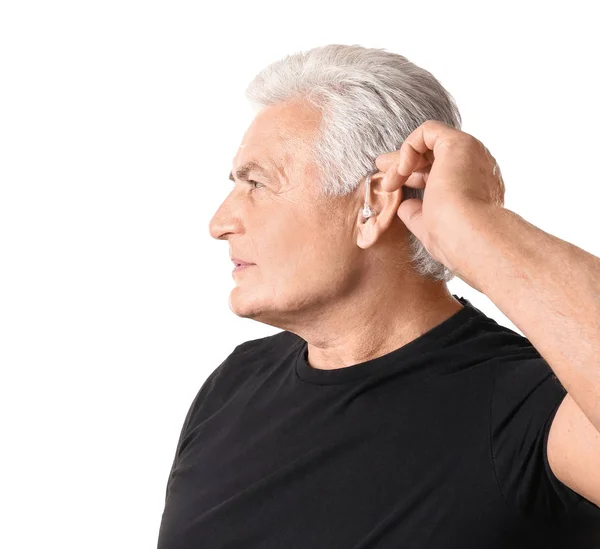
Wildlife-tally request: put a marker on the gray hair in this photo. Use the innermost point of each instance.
(370, 101)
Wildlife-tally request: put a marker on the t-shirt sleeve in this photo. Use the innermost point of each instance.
(526, 396)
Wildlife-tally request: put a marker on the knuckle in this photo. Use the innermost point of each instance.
(450, 143)
(473, 142)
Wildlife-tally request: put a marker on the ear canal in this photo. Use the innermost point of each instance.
(368, 212)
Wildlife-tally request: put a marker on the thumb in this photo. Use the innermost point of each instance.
(411, 214)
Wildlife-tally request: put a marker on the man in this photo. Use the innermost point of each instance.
(388, 412)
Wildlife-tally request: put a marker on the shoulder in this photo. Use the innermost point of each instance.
(253, 356)
(520, 370)
(525, 398)
(260, 353)
(525, 395)
(279, 342)
(516, 363)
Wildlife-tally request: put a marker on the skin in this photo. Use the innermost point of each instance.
(318, 268)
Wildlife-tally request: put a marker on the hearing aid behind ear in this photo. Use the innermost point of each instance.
(367, 211)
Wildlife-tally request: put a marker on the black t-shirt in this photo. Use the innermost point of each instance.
(440, 444)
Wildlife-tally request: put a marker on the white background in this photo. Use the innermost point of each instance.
(118, 125)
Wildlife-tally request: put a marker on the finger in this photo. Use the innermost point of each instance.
(423, 141)
(417, 179)
(392, 180)
(385, 160)
(411, 214)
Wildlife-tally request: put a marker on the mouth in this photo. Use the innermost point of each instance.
(242, 267)
(240, 262)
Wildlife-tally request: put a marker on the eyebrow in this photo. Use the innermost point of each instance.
(242, 172)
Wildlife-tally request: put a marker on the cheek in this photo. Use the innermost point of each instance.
(274, 243)
(294, 243)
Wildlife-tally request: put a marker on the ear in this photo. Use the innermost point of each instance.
(386, 206)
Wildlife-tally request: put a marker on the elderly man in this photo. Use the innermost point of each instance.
(388, 412)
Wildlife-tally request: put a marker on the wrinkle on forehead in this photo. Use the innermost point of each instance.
(282, 136)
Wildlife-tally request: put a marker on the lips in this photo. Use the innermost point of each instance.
(240, 262)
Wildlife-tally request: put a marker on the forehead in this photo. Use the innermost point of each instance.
(278, 132)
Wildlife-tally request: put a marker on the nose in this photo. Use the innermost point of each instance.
(224, 222)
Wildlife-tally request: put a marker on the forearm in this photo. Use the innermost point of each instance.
(548, 288)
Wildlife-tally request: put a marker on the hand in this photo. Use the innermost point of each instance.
(461, 180)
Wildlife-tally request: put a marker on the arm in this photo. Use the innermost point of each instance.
(550, 290)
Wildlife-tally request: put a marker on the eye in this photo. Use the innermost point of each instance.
(255, 184)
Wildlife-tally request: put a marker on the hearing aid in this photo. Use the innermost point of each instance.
(367, 211)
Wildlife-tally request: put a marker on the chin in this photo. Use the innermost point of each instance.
(242, 305)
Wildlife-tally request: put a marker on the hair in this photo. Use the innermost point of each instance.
(370, 101)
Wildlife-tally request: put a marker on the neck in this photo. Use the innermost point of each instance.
(371, 324)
